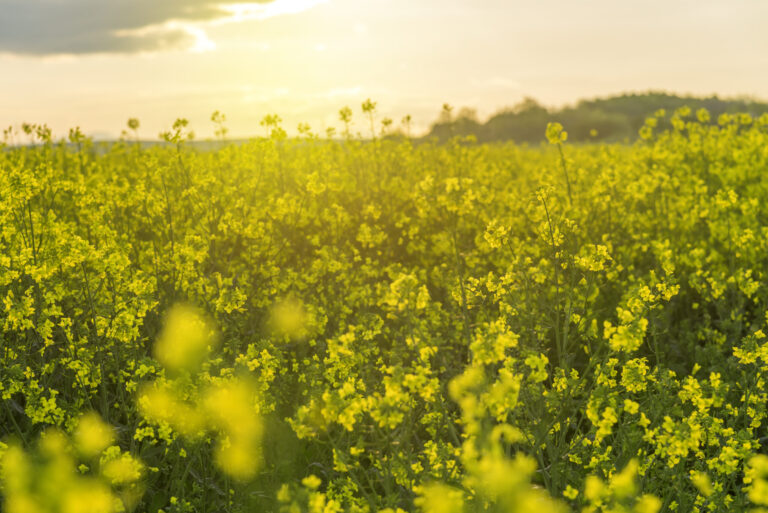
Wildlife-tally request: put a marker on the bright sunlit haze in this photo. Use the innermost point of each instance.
(95, 64)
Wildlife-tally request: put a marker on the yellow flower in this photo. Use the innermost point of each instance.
(439, 498)
(648, 504)
(120, 468)
(290, 319)
(702, 483)
(555, 133)
(185, 341)
(312, 482)
(93, 435)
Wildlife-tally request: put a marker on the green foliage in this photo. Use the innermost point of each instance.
(611, 119)
(306, 325)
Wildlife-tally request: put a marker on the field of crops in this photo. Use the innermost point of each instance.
(321, 325)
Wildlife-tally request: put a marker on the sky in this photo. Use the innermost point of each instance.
(96, 63)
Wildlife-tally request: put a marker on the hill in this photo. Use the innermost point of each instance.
(612, 119)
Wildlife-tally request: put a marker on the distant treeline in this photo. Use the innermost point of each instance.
(617, 118)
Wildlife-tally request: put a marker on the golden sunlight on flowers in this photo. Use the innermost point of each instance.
(387, 325)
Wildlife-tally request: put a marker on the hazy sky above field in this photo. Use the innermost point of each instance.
(95, 63)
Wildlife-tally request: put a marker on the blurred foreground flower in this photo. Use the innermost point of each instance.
(46, 480)
(230, 409)
(93, 435)
(289, 318)
(227, 407)
(186, 340)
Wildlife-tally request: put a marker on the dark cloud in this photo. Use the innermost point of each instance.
(41, 27)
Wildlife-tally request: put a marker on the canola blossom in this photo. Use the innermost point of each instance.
(320, 324)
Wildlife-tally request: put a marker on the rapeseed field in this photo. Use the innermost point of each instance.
(331, 323)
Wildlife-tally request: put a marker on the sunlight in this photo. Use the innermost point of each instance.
(236, 13)
(255, 11)
(202, 42)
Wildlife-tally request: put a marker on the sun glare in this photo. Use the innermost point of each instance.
(251, 11)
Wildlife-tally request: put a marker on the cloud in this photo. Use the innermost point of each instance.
(47, 27)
